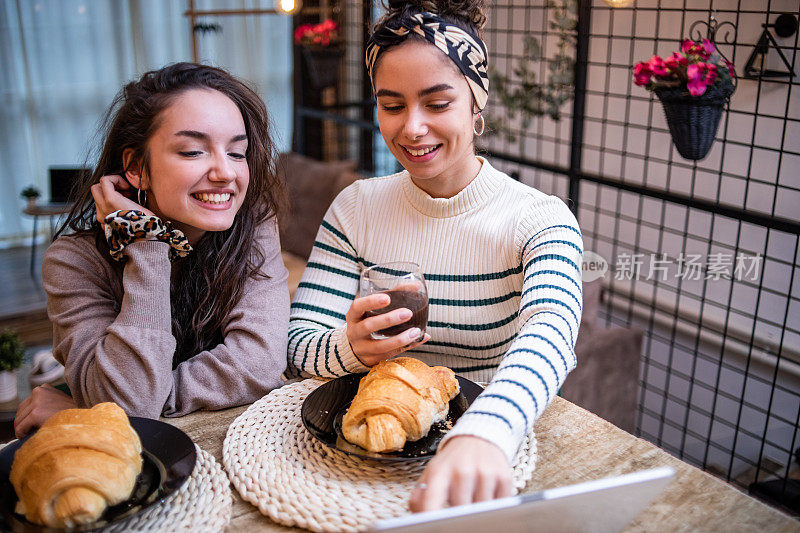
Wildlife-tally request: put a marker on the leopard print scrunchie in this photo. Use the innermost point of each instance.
(126, 226)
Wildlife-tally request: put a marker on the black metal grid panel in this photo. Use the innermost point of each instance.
(720, 366)
(548, 140)
(720, 369)
(346, 112)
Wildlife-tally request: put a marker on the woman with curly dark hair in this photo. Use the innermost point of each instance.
(502, 260)
(170, 293)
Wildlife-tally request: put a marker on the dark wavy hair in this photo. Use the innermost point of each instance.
(209, 283)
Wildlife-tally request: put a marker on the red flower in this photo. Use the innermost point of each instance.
(642, 73)
(300, 32)
(711, 74)
(658, 67)
(700, 77)
(731, 70)
(321, 34)
(328, 25)
(708, 48)
(694, 69)
(704, 50)
(675, 61)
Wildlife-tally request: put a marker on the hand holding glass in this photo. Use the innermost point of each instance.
(404, 284)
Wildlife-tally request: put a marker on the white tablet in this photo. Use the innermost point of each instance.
(604, 505)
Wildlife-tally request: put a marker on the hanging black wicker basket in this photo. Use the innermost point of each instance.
(322, 65)
(693, 120)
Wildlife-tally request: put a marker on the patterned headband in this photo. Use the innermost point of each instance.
(468, 54)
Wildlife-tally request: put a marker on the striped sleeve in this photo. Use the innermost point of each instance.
(318, 344)
(543, 353)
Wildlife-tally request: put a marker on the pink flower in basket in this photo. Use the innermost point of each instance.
(322, 34)
(642, 73)
(704, 50)
(658, 66)
(695, 68)
(693, 85)
(701, 75)
(675, 61)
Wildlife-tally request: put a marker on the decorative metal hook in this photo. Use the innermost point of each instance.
(713, 27)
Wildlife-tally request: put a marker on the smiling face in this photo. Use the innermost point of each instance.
(198, 174)
(425, 116)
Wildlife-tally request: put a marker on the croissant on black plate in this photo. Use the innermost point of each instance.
(398, 401)
(78, 463)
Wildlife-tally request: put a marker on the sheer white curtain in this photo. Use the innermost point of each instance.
(62, 62)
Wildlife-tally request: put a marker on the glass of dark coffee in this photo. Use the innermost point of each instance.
(404, 284)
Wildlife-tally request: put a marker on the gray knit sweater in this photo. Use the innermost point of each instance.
(113, 333)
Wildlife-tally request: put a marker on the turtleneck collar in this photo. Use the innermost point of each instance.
(478, 191)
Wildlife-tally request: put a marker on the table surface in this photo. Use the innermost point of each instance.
(50, 209)
(573, 446)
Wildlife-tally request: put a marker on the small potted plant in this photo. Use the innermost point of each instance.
(30, 193)
(319, 44)
(11, 353)
(693, 85)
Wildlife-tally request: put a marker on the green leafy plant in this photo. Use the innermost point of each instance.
(11, 350)
(523, 95)
(30, 192)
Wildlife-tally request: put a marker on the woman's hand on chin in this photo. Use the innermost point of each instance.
(111, 194)
(359, 327)
(466, 470)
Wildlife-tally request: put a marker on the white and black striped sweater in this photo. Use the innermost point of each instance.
(502, 265)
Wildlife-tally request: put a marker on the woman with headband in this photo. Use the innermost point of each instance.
(502, 260)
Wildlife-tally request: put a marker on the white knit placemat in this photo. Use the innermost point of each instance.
(276, 465)
(203, 503)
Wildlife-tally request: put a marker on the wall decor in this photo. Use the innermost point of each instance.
(693, 85)
(785, 26)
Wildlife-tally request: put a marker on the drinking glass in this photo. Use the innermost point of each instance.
(403, 282)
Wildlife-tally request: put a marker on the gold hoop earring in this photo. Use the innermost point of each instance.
(141, 197)
(483, 125)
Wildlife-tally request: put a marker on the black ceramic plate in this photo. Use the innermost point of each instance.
(324, 408)
(168, 460)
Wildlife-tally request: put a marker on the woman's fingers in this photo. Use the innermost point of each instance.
(120, 183)
(110, 194)
(21, 419)
(22, 426)
(360, 328)
(99, 202)
(430, 494)
(504, 487)
(462, 486)
(43, 403)
(366, 303)
(466, 469)
(386, 320)
(372, 351)
(485, 487)
(109, 186)
(406, 347)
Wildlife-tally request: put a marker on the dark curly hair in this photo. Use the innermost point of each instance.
(209, 283)
(465, 14)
